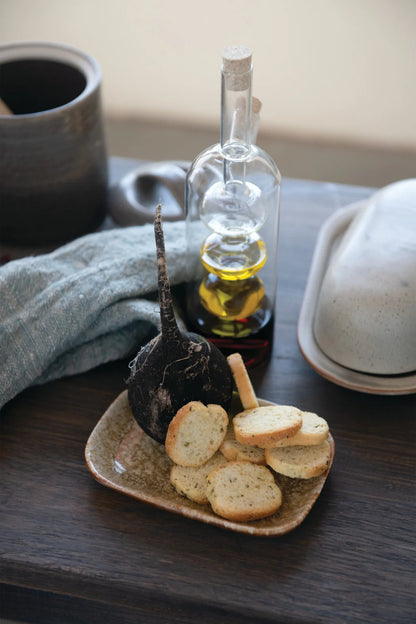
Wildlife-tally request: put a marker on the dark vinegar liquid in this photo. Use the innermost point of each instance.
(253, 350)
(252, 337)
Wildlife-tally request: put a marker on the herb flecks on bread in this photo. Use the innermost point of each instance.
(314, 430)
(300, 462)
(191, 481)
(233, 450)
(264, 426)
(195, 433)
(242, 491)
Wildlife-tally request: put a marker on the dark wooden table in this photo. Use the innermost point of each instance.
(74, 551)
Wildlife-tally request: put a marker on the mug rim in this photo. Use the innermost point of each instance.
(60, 53)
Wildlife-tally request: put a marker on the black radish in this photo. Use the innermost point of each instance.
(175, 367)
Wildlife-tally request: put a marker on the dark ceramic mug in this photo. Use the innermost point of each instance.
(53, 163)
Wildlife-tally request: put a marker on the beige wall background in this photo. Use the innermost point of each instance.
(336, 70)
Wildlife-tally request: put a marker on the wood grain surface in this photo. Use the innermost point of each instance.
(74, 551)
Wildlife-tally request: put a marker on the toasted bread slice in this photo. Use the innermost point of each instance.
(264, 426)
(191, 481)
(242, 491)
(300, 462)
(235, 451)
(195, 433)
(314, 430)
(242, 381)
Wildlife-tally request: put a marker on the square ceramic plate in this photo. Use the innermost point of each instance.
(121, 457)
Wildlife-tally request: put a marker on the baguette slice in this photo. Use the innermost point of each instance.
(195, 433)
(300, 462)
(242, 491)
(242, 381)
(264, 426)
(191, 481)
(314, 430)
(233, 450)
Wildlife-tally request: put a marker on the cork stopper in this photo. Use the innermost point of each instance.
(236, 61)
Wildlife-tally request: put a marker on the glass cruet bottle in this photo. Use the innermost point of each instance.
(232, 221)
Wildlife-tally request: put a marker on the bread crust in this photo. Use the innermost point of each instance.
(195, 433)
(242, 381)
(300, 462)
(191, 481)
(233, 450)
(242, 491)
(264, 426)
(314, 431)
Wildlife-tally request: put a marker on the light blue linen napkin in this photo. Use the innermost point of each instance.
(89, 302)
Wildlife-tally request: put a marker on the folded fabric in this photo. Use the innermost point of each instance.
(89, 302)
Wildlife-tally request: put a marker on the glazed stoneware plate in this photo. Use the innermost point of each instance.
(120, 456)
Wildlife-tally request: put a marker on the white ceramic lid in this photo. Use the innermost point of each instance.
(365, 317)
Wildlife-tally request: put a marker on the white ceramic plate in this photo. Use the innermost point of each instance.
(121, 457)
(329, 237)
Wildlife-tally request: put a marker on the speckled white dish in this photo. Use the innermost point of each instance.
(120, 456)
(329, 239)
(365, 317)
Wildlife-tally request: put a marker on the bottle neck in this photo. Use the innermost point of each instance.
(236, 114)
